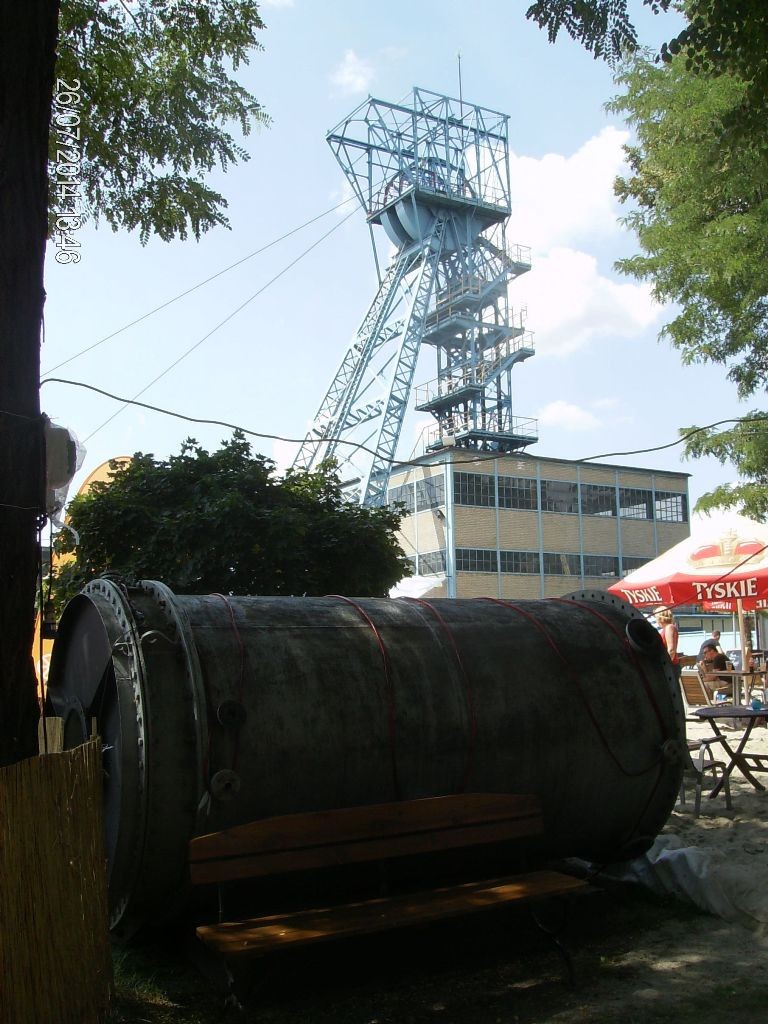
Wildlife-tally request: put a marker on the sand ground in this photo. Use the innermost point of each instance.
(642, 957)
(639, 962)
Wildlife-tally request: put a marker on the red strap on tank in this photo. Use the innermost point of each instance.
(628, 648)
(468, 695)
(389, 689)
(575, 679)
(646, 686)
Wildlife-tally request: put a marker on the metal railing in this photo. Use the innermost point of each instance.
(453, 428)
(468, 376)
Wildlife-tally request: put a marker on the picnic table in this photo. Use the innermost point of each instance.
(740, 758)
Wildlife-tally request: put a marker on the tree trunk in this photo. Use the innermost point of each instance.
(28, 33)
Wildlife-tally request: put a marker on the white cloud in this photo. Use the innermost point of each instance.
(276, 3)
(564, 208)
(353, 74)
(568, 416)
(571, 304)
(563, 200)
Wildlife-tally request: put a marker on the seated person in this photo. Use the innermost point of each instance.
(714, 639)
(712, 662)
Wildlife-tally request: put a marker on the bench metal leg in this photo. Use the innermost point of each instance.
(553, 933)
(238, 983)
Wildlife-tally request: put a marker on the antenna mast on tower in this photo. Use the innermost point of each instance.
(435, 175)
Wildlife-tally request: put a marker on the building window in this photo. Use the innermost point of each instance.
(431, 562)
(474, 489)
(635, 503)
(601, 565)
(430, 493)
(517, 492)
(519, 562)
(402, 495)
(475, 560)
(411, 560)
(671, 507)
(598, 500)
(629, 564)
(559, 496)
(560, 563)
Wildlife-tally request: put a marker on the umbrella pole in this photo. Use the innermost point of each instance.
(745, 642)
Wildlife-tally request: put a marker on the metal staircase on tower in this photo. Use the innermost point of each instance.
(434, 173)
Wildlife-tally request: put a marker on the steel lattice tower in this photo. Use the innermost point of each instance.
(435, 175)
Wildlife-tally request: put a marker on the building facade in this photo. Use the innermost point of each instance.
(519, 526)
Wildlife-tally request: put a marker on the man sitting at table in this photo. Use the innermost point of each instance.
(712, 662)
(714, 639)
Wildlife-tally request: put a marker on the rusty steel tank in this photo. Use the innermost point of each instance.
(217, 710)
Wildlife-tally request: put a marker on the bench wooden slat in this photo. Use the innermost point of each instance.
(260, 935)
(296, 842)
(257, 865)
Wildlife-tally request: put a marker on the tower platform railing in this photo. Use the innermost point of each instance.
(516, 433)
(446, 386)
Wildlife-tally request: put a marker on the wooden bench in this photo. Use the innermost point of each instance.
(356, 835)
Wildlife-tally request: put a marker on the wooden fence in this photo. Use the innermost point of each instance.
(55, 962)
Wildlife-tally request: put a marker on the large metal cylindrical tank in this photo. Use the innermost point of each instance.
(219, 710)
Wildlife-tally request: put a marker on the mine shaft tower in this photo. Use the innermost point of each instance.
(434, 173)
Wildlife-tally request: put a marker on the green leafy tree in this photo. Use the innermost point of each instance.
(744, 446)
(158, 101)
(719, 37)
(699, 208)
(697, 192)
(223, 522)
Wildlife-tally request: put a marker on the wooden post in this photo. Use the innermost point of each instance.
(50, 735)
(745, 640)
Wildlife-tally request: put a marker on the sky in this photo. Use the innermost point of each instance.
(267, 336)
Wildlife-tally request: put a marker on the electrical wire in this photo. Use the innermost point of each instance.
(24, 508)
(221, 324)
(683, 437)
(20, 415)
(476, 457)
(200, 284)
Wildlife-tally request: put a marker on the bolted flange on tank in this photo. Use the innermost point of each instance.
(218, 710)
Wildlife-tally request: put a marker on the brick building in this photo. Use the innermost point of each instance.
(519, 526)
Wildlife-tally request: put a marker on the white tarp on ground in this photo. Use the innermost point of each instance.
(729, 887)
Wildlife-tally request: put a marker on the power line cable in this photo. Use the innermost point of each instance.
(200, 284)
(205, 422)
(476, 457)
(19, 415)
(221, 324)
(671, 444)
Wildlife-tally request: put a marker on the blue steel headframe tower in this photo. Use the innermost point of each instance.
(435, 175)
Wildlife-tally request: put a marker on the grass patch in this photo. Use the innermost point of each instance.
(156, 984)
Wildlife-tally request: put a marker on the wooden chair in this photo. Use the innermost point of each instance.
(695, 693)
(723, 689)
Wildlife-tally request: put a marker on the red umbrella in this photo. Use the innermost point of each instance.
(723, 564)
